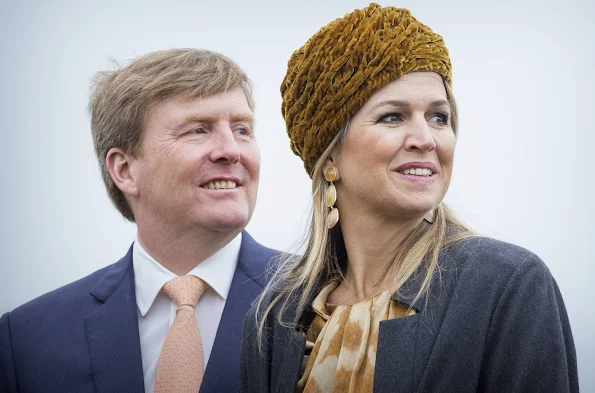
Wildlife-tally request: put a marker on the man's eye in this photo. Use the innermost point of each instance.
(199, 130)
(391, 118)
(242, 131)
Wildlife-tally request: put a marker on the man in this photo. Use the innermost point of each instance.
(174, 135)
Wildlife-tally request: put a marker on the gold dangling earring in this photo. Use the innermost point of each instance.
(331, 197)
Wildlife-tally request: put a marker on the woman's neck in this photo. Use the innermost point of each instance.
(371, 245)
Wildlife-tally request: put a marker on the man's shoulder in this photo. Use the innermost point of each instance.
(71, 299)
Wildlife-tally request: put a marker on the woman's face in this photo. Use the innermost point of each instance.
(397, 156)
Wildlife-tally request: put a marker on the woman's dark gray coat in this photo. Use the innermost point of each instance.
(494, 321)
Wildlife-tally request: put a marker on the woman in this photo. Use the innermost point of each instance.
(394, 293)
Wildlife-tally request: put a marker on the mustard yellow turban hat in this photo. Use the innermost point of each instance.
(344, 63)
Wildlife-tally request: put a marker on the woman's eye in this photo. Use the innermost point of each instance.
(440, 118)
(392, 118)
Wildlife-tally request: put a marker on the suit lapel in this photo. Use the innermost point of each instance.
(223, 369)
(112, 332)
(223, 363)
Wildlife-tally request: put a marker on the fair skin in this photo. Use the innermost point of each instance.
(394, 167)
(193, 185)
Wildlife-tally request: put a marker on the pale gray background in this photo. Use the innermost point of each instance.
(523, 78)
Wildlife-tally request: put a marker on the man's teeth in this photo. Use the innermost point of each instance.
(417, 172)
(218, 185)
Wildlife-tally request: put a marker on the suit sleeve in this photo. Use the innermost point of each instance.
(529, 345)
(7, 373)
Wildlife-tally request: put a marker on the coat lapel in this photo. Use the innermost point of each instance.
(288, 353)
(112, 332)
(400, 341)
(223, 369)
(405, 344)
(397, 343)
(289, 345)
(395, 356)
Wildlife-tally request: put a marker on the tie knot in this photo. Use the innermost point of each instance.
(185, 290)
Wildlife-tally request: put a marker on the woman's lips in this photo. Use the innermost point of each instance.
(423, 179)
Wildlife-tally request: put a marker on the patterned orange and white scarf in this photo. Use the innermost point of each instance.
(341, 343)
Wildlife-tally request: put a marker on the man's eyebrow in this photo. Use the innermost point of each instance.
(245, 117)
(405, 104)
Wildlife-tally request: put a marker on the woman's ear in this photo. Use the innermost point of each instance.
(120, 167)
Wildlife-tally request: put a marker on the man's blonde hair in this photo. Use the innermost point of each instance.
(120, 98)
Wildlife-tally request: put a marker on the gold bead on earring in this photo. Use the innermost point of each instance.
(429, 217)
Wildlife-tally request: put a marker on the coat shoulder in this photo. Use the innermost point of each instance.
(490, 259)
(509, 298)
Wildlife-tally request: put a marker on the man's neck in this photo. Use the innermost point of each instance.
(182, 251)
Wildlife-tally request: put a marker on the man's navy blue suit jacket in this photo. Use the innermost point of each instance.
(84, 337)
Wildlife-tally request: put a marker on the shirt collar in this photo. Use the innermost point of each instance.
(150, 275)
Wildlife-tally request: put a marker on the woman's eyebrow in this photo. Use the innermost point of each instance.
(439, 103)
(405, 104)
(392, 103)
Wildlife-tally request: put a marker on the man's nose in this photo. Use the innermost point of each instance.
(225, 147)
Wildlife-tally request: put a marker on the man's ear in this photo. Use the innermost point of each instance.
(119, 166)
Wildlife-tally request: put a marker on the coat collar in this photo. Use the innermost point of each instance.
(254, 259)
(288, 343)
(405, 295)
(411, 288)
(250, 260)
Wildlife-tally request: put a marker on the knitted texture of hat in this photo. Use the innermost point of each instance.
(344, 63)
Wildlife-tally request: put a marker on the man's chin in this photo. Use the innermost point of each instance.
(227, 223)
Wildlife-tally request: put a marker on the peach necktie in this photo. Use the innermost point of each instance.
(181, 365)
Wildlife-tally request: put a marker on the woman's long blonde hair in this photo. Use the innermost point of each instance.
(294, 278)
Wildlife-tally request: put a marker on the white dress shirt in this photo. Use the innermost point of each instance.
(156, 311)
